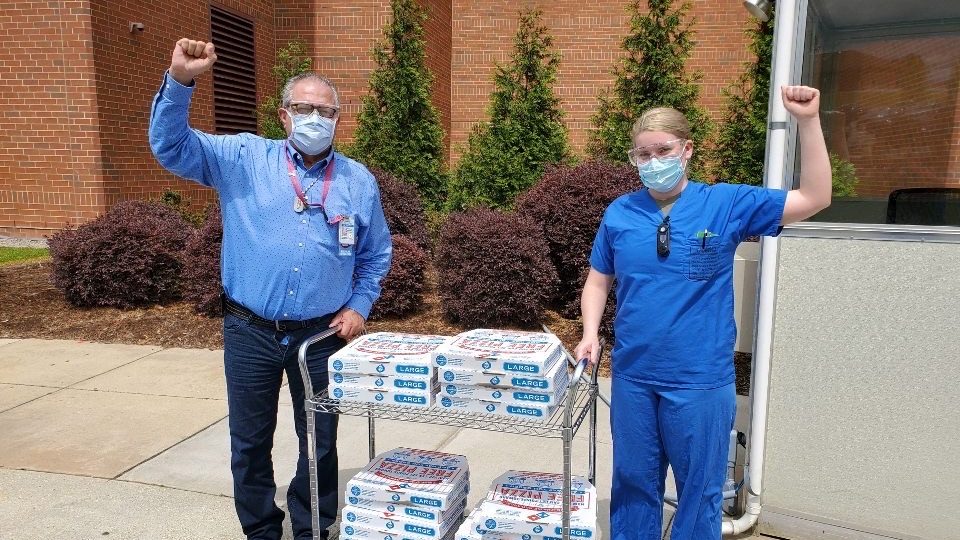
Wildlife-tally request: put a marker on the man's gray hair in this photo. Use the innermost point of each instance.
(287, 95)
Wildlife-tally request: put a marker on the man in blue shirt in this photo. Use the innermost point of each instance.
(305, 246)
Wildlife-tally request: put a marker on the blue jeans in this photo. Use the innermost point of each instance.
(255, 358)
(653, 425)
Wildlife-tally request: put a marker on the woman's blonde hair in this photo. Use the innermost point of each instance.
(664, 119)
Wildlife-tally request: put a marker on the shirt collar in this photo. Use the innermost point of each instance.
(298, 158)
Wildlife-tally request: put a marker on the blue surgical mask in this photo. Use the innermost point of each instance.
(312, 134)
(662, 174)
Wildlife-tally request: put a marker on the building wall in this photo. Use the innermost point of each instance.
(588, 37)
(49, 138)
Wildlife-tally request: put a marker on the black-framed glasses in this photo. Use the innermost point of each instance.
(663, 237)
(325, 111)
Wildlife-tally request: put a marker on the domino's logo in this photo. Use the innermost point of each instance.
(391, 508)
(538, 529)
(451, 389)
(495, 380)
(349, 529)
(355, 490)
(441, 360)
(491, 407)
(497, 394)
(354, 500)
(378, 382)
(381, 368)
(390, 525)
(379, 396)
(337, 365)
(337, 393)
(351, 517)
(486, 364)
(490, 524)
(446, 402)
(396, 497)
(337, 378)
(526, 537)
(448, 376)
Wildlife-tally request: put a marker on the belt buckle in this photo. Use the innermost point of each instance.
(279, 326)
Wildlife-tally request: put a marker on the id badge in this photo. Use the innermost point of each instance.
(347, 235)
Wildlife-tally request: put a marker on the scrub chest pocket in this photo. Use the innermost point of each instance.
(703, 257)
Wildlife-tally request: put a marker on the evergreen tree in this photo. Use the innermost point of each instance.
(742, 138)
(651, 75)
(291, 60)
(398, 128)
(507, 155)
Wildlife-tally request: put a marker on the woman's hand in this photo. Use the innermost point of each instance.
(589, 347)
(802, 102)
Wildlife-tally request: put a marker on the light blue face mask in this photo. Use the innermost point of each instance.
(312, 134)
(662, 174)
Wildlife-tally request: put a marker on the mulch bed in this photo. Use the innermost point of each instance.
(30, 307)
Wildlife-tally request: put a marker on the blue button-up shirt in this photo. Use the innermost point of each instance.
(280, 264)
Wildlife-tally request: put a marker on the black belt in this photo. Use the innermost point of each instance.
(230, 306)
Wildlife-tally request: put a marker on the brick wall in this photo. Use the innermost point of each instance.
(49, 142)
(129, 70)
(588, 37)
(897, 113)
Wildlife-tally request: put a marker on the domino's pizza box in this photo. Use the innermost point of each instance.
(528, 411)
(396, 382)
(503, 351)
(388, 353)
(531, 503)
(555, 378)
(414, 528)
(558, 377)
(416, 511)
(471, 529)
(386, 396)
(409, 476)
(357, 532)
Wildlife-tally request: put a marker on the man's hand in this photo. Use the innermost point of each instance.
(191, 58)
(350, 323)
(802, 102)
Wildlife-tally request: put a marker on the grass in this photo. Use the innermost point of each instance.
(9, 255)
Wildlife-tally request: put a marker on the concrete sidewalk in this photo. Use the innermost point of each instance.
(125, 441)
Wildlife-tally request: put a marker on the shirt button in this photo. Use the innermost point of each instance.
(295, 269)
(303, 221)
(300, 244)
(291, 291)
(285, 315)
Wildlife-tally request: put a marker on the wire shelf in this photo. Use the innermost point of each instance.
(551, 427)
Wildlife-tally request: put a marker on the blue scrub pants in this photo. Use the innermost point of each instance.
(653, 425)
(255, 359)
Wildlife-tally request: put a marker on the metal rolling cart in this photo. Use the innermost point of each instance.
(579, 403)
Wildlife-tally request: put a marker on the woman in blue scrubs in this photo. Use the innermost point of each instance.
(670, 248)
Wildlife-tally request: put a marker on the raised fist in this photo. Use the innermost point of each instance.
(191, 58)
(801, 101)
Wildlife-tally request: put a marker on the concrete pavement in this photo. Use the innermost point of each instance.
(125, 441)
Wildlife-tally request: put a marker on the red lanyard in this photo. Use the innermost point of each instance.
(295, 179)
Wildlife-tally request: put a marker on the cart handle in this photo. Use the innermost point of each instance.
(302, 359)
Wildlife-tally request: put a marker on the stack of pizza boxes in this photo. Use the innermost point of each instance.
(388, 368)
(529, 506)
(406, 494)
(501, 372)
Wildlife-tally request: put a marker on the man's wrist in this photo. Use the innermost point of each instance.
(182, 78)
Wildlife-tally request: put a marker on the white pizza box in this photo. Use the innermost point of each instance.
(388, 353)
(407, 510)
(470, 529)
(501, 351)
(396, 382)
(521, 502)
(386, 396)
(528, 411)
(395, 523)
(358, 532)
(409, 476)
(478, 377)
(558, 380)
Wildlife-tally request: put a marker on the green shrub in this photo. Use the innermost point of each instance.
(651, 74)
(398, 128)
(507, 155)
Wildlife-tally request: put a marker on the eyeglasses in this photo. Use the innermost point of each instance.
(663, 237)
(307, 108)
(643, 154)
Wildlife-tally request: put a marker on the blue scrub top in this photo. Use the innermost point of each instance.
(674, 323)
